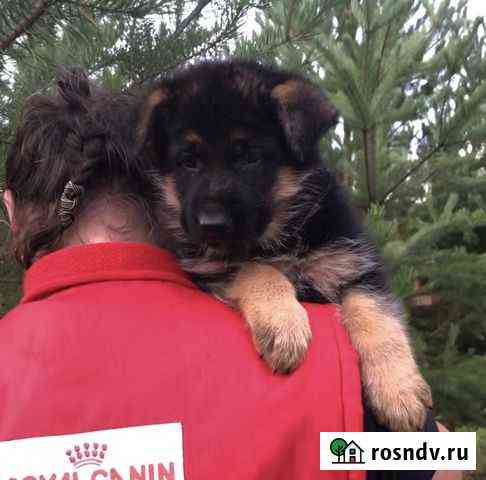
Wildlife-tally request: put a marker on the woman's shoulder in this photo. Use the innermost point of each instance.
(24, 320)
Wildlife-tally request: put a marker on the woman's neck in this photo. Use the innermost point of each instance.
(110, 219)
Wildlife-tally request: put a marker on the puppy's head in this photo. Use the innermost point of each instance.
(230, 140)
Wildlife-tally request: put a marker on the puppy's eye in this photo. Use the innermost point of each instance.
(246, 156)
(190, 161)
(251, 158)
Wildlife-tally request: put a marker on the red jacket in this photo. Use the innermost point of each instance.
(115, 335)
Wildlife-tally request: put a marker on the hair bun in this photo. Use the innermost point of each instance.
(73, 85)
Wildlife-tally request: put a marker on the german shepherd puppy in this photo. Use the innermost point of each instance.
(252, 212)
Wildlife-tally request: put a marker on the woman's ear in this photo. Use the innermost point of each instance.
(9, 202)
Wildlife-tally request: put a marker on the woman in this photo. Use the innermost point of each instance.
(110, 333)
(71, 152)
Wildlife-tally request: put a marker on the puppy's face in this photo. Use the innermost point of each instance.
(224, 182)
(230, 140)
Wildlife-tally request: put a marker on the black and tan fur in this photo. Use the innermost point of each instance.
(253, 214)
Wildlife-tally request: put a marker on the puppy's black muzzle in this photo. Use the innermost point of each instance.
(213, 223)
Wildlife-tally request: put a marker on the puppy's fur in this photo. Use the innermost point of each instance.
(253, 214)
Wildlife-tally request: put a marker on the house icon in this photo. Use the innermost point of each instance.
(353, 453)
(347, 453)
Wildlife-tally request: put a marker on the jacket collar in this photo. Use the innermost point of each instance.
(99, 262)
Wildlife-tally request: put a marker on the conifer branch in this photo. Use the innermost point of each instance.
(387, 33)
(411, 172)
(192, 16)
(40, 8)
(152, 76)
(224, 34)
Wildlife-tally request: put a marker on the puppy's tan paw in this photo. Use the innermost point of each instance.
(393, 386)
(399, 402)
(278, 322)
(281, 335)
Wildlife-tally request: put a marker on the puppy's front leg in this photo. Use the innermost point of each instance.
(278, 322)
(392, 383)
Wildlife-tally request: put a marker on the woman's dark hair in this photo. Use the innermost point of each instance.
(82, 134)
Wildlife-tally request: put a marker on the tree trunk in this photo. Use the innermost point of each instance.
(369, 144)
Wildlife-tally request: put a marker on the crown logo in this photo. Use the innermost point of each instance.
(87, 454)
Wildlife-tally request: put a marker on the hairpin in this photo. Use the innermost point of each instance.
(70, 199)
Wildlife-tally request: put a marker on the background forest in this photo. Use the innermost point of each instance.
(409, 78)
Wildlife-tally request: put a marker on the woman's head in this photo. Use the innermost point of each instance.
(71, 174)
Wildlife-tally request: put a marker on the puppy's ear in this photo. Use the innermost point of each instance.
(305, 114)
(151, 122)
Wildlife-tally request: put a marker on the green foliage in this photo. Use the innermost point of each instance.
(407, 77)
(480, 472)
(460, 391)
(381, 230)
(125, 44)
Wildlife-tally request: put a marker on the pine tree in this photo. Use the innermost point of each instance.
(389, 65)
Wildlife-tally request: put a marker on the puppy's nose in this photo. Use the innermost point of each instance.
(214, 223)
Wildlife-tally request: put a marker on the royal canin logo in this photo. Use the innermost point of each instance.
(94, 455)
(87, 455)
